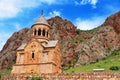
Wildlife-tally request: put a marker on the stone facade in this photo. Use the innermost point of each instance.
(66, 76)
(40, 55)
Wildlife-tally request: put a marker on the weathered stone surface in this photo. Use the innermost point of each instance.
(66, 76)
(39, 55)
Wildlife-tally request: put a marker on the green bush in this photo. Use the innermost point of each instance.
(78, 31)
(9, 68)
(114, 68)
(116, 52)
(36, 78)
(108, 50)
(74, 61)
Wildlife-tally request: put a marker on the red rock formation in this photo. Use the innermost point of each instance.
(114, 21)
(77, 48)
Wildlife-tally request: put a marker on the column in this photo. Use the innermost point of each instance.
(37, 32)
(41, 32)
(33, 32)
(18, 57)
(45, 33)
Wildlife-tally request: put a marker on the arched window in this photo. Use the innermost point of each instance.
(43, 33)
(35, 32)
(33, 55)
(47, 34)
(39, 32)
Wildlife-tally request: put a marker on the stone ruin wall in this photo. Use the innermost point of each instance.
(66, 76)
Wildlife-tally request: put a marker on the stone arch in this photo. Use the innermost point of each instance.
(33, 55)
(43, 33)
(39, 32)
(47, 33)
(35, 32)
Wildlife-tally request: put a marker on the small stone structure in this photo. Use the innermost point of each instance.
(40, 55)
(66, 76)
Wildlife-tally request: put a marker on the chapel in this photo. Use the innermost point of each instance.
(40, 55)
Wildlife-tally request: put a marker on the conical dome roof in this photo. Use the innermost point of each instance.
(41, 20)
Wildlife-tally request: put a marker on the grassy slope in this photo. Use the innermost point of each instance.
(113, 60)
(5, 71)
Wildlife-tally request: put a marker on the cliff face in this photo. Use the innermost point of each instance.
(114, 21)
(77, 47)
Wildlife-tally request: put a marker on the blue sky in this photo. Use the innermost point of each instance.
(85, 14)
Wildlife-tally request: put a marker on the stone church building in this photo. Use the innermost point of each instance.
(40, 55)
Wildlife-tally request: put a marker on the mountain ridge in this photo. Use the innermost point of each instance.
(77, 47)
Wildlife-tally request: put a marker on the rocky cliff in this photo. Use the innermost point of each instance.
(77, 47)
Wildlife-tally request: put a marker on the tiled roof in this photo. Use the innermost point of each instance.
(22, 46)
(51, 43)
(41, 20)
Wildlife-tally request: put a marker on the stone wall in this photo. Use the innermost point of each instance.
(66, 76)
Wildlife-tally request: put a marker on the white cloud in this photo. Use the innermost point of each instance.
(84, 2)
(53, 13)
(89, 23)
(48, 1)
(10, 8)
(17, 26)
(93, 2)
(7, 10)
(77, 3)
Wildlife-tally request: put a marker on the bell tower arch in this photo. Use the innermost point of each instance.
(41, 30)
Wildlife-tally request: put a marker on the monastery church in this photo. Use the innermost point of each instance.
(40, 55)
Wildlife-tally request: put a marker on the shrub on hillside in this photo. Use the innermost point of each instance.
(114, 68)
(116, 52)
(9, 68)
(36, 78)
(78, 31)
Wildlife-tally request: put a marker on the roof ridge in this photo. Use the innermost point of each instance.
(41, 20)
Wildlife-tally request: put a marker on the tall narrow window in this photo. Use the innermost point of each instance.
(43, 33)
(39, 32)
(35, 32)
(47, 34)
(33, 55)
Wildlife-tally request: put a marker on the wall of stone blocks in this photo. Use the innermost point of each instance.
(66, 76)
